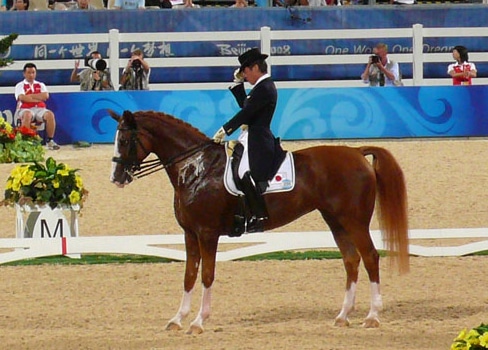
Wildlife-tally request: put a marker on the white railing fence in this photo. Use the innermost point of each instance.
(171, 246)
(266, 37)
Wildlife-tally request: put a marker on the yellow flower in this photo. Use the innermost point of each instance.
(78, 182)
(55, 183)
(74, 197)
(484, 340)
(472, 337)
(8, 127)
(9, 184)
(27, 177)
(63, 172)
(461, 335)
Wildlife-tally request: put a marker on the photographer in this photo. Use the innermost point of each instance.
(380, 70)
(136, 74)
(95, 77)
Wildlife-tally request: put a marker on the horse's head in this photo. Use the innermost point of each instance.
(129, 151)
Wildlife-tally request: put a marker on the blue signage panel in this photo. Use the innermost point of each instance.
(234, 19)
(316, 113)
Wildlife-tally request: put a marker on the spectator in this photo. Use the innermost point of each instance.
(31, 96)
(380, 70)
(403, 2)
(93, 78)
(129, 4)
(3, 5)
(136, 75)
(20, 5)
(83, 5)
(461, 71)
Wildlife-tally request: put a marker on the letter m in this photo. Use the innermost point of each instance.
(45, 227)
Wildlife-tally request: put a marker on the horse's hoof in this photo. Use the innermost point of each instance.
(340, 322)
(371, 323)
(172, 326)
(194, 329)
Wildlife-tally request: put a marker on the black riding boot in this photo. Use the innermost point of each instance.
(239, 219)
(257, 205)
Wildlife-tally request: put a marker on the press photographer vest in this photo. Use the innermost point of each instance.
(29, 89)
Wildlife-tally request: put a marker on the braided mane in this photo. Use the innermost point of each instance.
(171, 120)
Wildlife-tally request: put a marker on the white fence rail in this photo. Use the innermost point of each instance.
(265, 36)
(172, 246)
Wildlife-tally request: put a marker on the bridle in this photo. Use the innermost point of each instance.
(136, 169)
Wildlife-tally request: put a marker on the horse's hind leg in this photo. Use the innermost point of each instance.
(371, 261)
(351, 260)
(359, 240)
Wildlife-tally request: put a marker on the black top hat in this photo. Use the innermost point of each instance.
(251, 56)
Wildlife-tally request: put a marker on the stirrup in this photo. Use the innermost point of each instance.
(239, 226)
(255, 224)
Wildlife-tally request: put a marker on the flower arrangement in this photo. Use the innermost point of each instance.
(19, 145)
(54, 184)
(475, 339)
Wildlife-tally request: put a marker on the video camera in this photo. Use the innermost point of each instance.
(95, 63)
(375, 59)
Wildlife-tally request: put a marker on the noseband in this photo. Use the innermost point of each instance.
(137, 169)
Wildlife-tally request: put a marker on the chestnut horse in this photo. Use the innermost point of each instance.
(338, 181)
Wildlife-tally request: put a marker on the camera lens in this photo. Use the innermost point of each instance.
(136, 64)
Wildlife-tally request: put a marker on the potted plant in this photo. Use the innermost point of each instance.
(53, 184)
(43, 192)
(475, 339)
(19, 145)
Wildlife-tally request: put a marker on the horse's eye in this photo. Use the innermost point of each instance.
(123, 142)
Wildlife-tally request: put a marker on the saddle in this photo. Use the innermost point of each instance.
(237, 165)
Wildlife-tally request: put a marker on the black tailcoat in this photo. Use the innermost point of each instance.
(257, 108)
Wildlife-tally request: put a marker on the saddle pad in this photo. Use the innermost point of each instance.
(282, 181)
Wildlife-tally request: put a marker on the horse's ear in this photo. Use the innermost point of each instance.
(129, 119)
(114, 115)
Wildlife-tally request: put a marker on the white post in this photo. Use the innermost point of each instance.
(418, 59)
(265, 36)
(113, 46)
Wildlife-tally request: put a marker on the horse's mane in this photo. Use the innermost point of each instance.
(171, 120)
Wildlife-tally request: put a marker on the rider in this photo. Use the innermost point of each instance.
(265, 152)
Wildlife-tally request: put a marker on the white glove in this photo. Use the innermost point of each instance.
(238, 76)
(219, 136)
(244, 127)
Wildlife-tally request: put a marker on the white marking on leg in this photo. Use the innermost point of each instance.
(204, 312)
(347, 305)
(184, 309)
(376, 303)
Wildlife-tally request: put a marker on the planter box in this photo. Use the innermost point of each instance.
(40, 221)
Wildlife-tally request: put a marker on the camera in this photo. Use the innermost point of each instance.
(136, 64)
(375, 59)
(95, 63)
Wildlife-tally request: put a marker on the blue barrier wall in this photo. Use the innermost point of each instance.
(319, 113)
(225, 19)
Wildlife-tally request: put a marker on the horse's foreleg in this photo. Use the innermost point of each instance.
(351, 261)
(191, 273)
(208, 248)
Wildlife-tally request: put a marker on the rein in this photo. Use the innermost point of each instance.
(151, 166)
(142, 169)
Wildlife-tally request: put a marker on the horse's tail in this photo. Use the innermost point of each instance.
(393, 206)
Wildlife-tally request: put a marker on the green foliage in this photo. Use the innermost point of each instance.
(19, 145)
(5, 44)
(51, 183)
